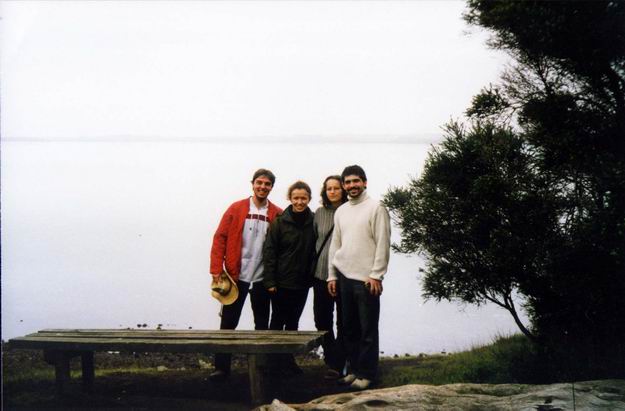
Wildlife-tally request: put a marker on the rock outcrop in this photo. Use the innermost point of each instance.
(589, 395)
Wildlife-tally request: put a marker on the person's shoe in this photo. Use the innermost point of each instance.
(218, 376)
(361, 384)
(348, 379)
(332, 375)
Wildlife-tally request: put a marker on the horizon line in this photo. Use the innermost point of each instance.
(296, 139)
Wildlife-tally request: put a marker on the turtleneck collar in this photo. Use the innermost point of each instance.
(360, 198)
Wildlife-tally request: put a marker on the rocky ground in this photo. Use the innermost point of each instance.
(141, 381)
(590, 395)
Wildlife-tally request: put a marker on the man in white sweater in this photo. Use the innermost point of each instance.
(358, 260)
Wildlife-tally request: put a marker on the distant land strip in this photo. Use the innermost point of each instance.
(428, 138)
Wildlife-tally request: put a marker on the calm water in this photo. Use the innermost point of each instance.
(99, 235)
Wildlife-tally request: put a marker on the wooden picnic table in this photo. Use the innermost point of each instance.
(60, 345)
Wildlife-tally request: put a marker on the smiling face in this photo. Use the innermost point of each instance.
(262, 187)
(334, 191)
(299, 199)
(354, 185)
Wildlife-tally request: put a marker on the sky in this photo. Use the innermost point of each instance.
(202, 70)
(125, 221)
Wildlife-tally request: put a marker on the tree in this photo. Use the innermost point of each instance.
(478, 213)
(531, 197)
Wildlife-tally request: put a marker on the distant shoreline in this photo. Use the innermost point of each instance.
(380, 139)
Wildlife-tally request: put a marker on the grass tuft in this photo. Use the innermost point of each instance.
(510, 359)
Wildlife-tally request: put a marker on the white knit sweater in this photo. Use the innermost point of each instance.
(361, 240)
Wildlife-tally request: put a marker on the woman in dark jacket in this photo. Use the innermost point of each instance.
(287, 257)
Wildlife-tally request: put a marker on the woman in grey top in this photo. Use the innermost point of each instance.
(332, 196)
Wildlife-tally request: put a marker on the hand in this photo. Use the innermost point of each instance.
(272, 290)
(332, 288)
(374, 286)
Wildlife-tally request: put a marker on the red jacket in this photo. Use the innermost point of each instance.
(228, 239)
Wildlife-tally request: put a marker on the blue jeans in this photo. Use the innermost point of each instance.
(361, 314)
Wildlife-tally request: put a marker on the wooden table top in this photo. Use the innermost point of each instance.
(142, 340)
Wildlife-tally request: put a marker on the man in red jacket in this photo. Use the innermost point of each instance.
(238, 246)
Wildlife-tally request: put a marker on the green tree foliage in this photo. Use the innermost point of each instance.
(479, 213)
(531, 197)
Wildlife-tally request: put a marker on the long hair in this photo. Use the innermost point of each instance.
(324, 197)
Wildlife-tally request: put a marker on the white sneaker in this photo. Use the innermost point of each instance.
(348, 379)
(361, 384)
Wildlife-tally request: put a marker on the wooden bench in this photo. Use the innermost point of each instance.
(60, 345)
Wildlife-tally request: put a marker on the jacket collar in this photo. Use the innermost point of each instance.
(287, 215)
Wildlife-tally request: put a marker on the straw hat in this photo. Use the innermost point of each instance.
(224, 289)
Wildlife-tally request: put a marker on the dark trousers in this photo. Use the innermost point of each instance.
(230, 315)
(286, 308)
(323, 308)
(361, 314)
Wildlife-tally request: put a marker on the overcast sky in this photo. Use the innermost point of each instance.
(205, 69)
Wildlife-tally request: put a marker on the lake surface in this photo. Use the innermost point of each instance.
(116, 234)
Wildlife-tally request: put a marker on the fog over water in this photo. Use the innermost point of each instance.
(115, 234)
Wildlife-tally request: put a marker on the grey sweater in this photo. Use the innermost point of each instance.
(324, 220)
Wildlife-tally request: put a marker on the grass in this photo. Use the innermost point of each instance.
(507, 360)
(131, 381)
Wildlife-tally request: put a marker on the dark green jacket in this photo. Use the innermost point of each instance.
(288, 252)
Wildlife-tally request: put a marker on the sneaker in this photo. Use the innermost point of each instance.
(332, 375)
(361, 384)
(218, 376)
(348, 379)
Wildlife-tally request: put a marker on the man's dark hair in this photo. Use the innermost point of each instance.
(354, 170)
(324, 197)
(298, 185)
(266, 173)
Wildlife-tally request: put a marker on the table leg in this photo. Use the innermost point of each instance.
(60, 360)
(256, 379)
(88, 370)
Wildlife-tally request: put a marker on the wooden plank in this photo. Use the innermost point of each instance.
(154, 340)
(178, 335)
(184, 332)
(184, 345)
(206, 344)
(175, 337)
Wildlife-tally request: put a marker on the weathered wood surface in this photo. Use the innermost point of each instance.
(209, 341)
(60, 345)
